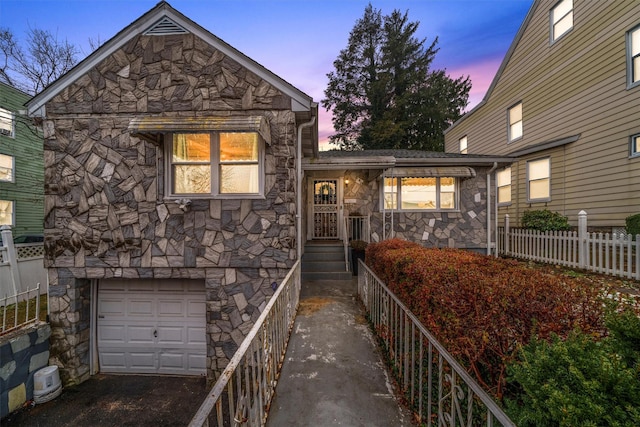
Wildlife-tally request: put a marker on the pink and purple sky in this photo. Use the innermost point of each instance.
(296, 39)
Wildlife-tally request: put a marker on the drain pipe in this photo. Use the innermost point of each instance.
(489, 172)
(299, 187)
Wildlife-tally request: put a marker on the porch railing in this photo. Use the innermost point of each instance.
(437, 388)
(243, 393)
(23, 308)
(358, 228)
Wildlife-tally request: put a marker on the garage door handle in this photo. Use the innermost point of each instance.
(155, 334)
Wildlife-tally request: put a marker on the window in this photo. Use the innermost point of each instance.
(420, 193)
(539, 180)
(6, 122)
(216, 163)
(463, 145)
(633, 57)
(634, 148)
(503, 179)
(6, 212)
(6, 168)
(515, 122)
(561, 19)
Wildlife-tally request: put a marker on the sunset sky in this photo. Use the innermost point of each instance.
(296, 39)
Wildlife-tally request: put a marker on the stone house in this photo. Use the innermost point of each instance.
(182, 180)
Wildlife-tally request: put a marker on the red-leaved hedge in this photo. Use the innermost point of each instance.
(482, 308)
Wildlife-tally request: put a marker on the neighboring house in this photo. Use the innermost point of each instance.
(21, 165)
(182, 180)
(566, 103)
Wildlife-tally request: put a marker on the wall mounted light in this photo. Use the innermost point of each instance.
(346, 182)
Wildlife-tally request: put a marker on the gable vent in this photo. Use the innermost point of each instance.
(165, 27)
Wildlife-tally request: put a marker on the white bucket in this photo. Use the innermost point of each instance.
(46, 384)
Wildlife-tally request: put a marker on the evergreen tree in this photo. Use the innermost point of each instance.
(383, 93)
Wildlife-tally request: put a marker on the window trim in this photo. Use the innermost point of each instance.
(634, 140)
(630, 58)
(509, 124)
(542, 199)
(215, 168)
(12, 169)
(498, 187)
(552, 24)
(12, 120)
(464, 150)
(398, 194)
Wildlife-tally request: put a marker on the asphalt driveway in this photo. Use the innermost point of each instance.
(118, 400)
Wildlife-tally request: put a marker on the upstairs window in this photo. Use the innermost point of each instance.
(216, 164)
(633, 57)
(463, 145)
(6, 212)
(420, 193)
(561, 18)
(634, 148)
(515, 122)
(6, 168)
(7, 121)
(503, 179)
(539, 180)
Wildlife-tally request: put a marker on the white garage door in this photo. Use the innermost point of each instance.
(152, 326)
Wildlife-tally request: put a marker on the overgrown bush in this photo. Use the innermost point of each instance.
(482, 308)
(578, 381)
(632, 224)
(545, 220)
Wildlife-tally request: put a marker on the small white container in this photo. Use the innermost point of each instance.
(46, 384)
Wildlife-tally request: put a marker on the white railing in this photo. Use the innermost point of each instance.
(358, 228)
(436, 387)
(612, 254)
(243, 393)
(21, 265)
(12, 306)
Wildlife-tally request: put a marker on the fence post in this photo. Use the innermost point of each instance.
(12, 258)
(583, 244)
(506, 235)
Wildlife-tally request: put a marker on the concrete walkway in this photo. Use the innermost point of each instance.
(333, 374)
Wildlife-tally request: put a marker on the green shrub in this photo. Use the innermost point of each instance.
(632, 224)
(545, 220)
(574, 382)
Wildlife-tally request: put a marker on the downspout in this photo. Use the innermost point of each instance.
(299, 187)
(489, 172)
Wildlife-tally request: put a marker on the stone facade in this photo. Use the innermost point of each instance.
(464, 228)
(106, 215)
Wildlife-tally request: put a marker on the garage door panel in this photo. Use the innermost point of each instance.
(130, 311)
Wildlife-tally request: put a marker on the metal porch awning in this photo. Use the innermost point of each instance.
(452, 171)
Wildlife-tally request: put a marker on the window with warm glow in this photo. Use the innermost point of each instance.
(6, 168)
(539, 180)
(633, 57)
(515, 122)
(216, 163)
(6, 212)
(634, 149)
(503, 180)
(561, 19)
(420, 193)
(463, 145)
(6, 122)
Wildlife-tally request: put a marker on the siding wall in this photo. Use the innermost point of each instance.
(578, 85)
(26, 191)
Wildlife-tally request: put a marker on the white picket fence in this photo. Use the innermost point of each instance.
(21, 267)
(613, 254)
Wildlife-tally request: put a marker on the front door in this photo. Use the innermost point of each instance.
(325, 209)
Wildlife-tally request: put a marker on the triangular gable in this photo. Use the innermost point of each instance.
(159, 20)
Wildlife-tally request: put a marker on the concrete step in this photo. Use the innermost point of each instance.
(322, 276)
(324, 265)
(323, 256)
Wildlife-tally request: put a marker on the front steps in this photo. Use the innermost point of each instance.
(324, 261)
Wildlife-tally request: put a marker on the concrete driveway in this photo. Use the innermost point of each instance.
(118, 400)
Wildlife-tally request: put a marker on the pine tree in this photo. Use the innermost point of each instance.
(383, 93)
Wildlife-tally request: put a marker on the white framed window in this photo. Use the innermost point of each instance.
(224, 164)
(7, 123)
(539, 180)
(463, 145)
(514, 117)
(634, 145)
(6, 212)
(6, 168)
(503, 181)
(420, 193)
(561, 19)
(633, 57)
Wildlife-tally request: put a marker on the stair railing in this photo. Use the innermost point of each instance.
(345, 242)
